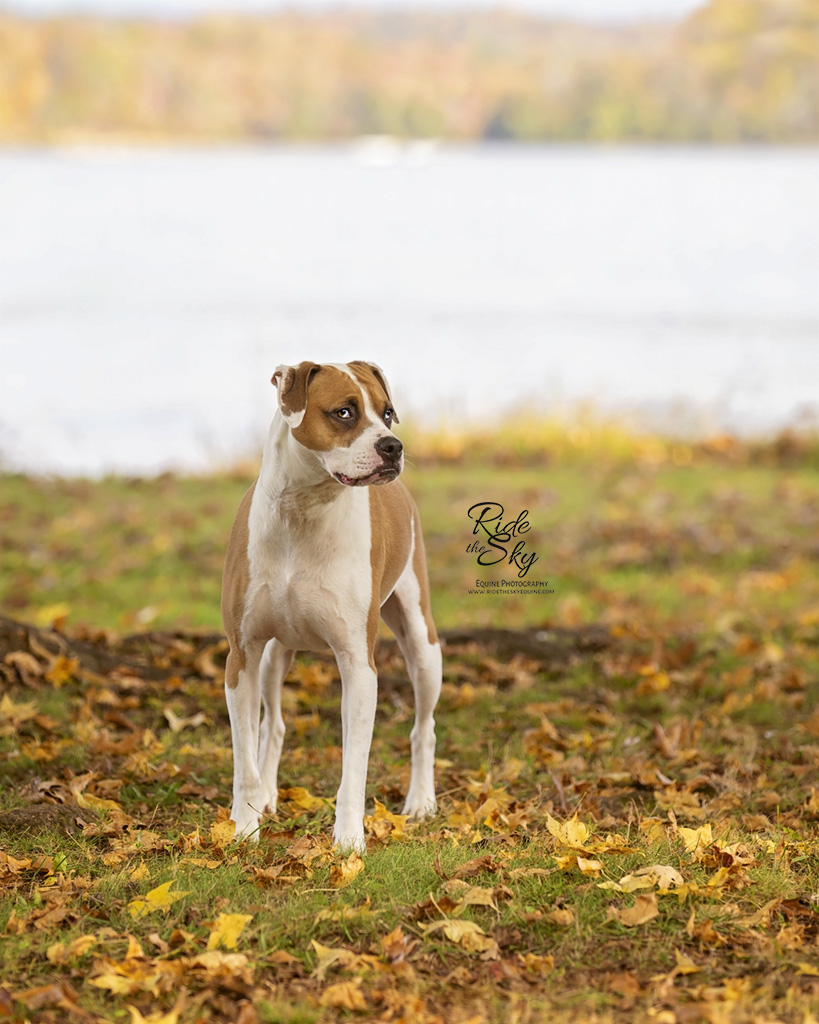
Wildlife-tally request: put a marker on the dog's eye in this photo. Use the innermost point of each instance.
(344, 414)
(388, 415)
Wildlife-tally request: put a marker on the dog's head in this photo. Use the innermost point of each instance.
(343, 412)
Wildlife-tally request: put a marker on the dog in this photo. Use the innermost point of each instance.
(326, 540)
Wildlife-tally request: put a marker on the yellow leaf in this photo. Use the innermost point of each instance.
(562, 918)
(140, 873)
(685, 965)
(52, 615)
(160, 898)
(384, 824)
(222, 833)
(344, 995)
(62, 669)
(811, 970)
(571, 833)
(468, 936)
(644, 910)
(302, 799)
(348, 913)
(59, 953)
(652, 682)
(329, 955)
(171, 1017)
(15, 714)
(116, 983)
(469, 895)
(342, 874)
(227, 929)
(696, 839)
(589, 867)
(661, 875)
(96, 803)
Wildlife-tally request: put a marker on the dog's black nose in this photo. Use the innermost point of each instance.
(389, 448)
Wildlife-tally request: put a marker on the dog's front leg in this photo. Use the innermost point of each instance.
(243, 696)
(359, 689)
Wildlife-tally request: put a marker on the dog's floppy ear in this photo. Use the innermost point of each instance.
(291, 383)
(381, 377)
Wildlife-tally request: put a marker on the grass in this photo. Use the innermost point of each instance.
(683, 737)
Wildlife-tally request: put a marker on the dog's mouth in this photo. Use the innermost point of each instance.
(382, 475)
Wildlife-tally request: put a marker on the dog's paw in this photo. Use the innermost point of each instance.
(247, 825)
(418, 807)
(347, 843)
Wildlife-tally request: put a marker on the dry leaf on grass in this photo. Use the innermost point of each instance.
(468, 936)
(226, 930)
(344, 873)
(344, 995)
(160, 898)
(644, 910)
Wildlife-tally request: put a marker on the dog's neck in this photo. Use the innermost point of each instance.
(291, 476)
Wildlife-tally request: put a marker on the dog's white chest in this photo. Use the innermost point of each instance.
(310, 572)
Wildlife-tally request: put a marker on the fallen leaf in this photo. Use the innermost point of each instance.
(467, 935)
(477, 866)
(328, 956)
(59, 953)
(572, 833)
(160, 898)
(562, 918)
(384, 824)
(344, 873)
(298, 798)
(222, 833)
(344, 995)
(177, 724)
(227, 929)
(644, 910)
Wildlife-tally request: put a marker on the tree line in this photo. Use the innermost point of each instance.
(733, 71)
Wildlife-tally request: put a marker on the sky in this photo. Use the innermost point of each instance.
(594, 10)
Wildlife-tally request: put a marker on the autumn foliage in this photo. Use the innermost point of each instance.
(734, 71)
(628, 771)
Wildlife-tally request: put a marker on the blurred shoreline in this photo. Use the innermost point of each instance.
(733, 71)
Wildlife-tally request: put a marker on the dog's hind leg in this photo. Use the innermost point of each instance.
(276, 662)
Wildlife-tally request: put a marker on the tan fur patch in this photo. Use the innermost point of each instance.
(321, 430)
(293, 382)
(235, 582)
(391, 509)
(419, 565)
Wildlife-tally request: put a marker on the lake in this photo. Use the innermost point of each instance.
(146, 296)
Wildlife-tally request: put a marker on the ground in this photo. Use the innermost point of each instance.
(628, 770)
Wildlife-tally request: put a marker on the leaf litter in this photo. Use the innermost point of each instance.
(627, 827)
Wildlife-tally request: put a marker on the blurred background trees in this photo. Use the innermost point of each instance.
(734, 71)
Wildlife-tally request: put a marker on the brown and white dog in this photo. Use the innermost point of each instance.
(317, 553)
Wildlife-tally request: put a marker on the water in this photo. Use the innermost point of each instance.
(147, 296)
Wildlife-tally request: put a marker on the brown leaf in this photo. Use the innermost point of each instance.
(477, 866)
(644, 910)
(344, 995)
(344, 873)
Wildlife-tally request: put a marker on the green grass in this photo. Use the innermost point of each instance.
(698, 710)
(613, 539)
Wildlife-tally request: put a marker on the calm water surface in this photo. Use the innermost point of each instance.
(147, 296)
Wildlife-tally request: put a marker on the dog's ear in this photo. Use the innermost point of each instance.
(381, 377)
(291, 383)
